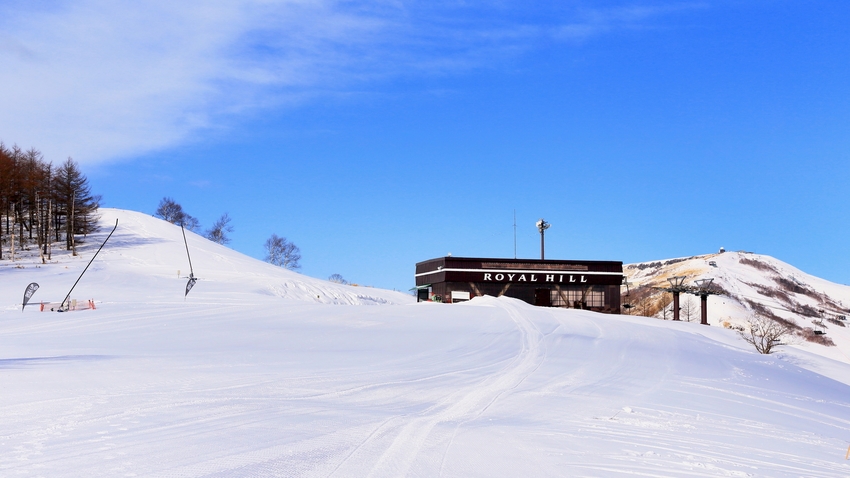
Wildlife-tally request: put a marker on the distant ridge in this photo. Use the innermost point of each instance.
(750, 284)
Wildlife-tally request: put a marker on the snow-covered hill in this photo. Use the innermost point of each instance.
(751, 285)
(145, 262)
(263, 372)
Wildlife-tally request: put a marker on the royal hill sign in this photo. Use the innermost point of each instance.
(550, 278)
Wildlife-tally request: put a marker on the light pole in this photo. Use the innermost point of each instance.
(542, 226)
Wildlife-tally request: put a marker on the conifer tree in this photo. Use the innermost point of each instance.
(75, 203)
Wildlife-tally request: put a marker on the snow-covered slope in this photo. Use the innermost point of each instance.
(752, 284)
(242, 379)
(145, 261)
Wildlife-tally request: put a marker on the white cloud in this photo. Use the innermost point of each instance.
(591, 22)
(100, 80)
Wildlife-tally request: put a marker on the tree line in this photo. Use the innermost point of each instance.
(279, 251)
(42, 204)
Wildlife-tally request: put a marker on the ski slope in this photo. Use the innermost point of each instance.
(265, 372)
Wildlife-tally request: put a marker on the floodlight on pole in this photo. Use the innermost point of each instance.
(542, 226)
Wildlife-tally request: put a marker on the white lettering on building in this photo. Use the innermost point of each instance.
(489, 276)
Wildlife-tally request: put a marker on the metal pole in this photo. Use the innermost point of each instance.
(703, 309)
(676, 305)
(542, 249)
(191, 270)
(514, 233)
(62, 305)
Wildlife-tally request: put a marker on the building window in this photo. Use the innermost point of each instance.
(570, 297)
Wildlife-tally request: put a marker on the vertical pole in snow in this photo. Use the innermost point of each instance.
(676, 305)
(703, 298)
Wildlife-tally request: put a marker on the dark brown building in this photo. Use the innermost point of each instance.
(593, 285)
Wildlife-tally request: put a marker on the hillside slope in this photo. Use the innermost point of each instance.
(145, 261)
(751, 284)
(242, 379)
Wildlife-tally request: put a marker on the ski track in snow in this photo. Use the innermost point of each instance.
(264, 372)
(398, 441)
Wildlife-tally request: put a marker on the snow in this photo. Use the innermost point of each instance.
(734, 272)
(265, 372)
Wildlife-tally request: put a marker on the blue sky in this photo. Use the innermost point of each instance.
(378, 134)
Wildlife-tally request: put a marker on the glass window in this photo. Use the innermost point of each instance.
(569, 297)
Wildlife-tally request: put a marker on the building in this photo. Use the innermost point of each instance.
(593, 285)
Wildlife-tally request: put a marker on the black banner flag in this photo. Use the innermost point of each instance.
(28, 294)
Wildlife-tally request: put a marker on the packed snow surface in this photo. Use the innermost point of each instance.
(265, 372)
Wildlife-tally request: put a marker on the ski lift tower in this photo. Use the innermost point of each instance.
(676, 286)
(542, 226)
(703, 290)
(627, 305)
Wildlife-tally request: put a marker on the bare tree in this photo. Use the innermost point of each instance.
(666, 311)
(169, 210)
(283, 253)
(173, 212)
(337, 278)
(220, 229)
(191, 223)
(764, 334)
(689, 307)
(38, 199)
